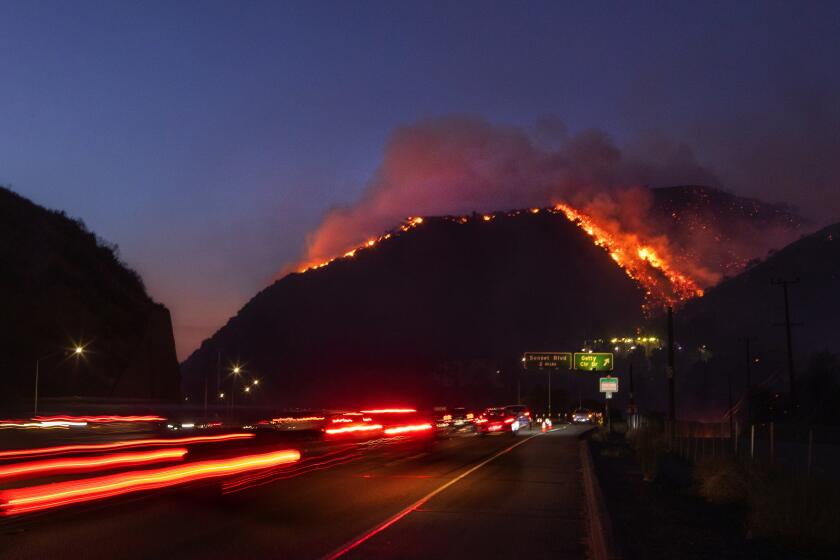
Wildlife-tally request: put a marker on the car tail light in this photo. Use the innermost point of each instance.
(509, 420)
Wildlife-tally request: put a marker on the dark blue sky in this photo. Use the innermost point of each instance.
(207, 138)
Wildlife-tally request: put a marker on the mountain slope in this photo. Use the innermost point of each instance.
(437, 310)
(442, 304)
(719, 229)
(751, 305)
(62, 285)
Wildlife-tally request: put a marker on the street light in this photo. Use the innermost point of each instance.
(78, 351)
(234, 371)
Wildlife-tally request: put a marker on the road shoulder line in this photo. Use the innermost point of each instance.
(367, 535)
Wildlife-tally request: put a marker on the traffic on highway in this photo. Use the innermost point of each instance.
(318, 484)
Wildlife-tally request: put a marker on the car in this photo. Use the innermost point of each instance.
(581, 416)
(521, 414)
(504, 419)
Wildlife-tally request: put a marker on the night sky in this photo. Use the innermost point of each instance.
(208, 138)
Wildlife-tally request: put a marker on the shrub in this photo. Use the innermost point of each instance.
(721, 480)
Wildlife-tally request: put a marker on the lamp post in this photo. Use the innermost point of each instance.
(235, 371)
(77, 351)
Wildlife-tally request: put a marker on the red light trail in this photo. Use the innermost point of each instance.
(408, 429)
(350, 429)
(47, 496)
(99, 419)
(86, 464)
(87, 447)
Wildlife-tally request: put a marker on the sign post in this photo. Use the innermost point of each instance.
(608, 386)
(548, 362)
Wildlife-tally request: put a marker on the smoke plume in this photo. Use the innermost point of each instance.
(458, 165)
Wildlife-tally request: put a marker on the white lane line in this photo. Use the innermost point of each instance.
(338, 553)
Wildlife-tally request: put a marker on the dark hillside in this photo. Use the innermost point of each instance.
(721, 230)
(750, 305)
(61, 284)
(435, 311)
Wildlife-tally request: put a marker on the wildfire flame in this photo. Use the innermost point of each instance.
(637, 259)
(658, 275)
(410, 223)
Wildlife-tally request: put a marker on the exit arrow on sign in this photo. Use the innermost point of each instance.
(594, 361)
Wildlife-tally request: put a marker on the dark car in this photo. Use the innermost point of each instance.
(503, 419)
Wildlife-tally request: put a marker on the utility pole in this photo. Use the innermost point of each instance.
(549, 393)
(791, 372)
(672, 414)
(205, 394)
(731, 415)
(219, 373)
(749, 380)
(37, 372)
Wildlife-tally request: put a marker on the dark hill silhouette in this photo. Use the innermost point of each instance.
(439, 310)
(60, 283)
(750, 305)
(721, 230)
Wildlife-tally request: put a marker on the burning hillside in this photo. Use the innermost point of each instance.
(675, 242)
(669, 268)
(640, 260)
(447, 301)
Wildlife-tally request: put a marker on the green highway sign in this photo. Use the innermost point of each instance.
(594, 361)
(547, 360)
(608, 384)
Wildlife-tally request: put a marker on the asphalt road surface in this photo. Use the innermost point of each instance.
(463, 497)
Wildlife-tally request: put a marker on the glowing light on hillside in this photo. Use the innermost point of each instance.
(410, 223)
(643, 261)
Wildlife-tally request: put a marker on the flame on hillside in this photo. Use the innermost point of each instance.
(645, 262)
(409, 224)
(662, 282)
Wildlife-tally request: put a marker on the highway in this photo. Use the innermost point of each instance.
(500, 496)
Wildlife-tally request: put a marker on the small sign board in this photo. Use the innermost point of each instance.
(547, 360)
(594, 361)
(608, 384)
